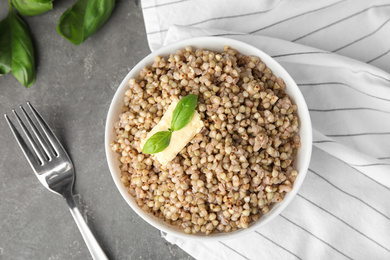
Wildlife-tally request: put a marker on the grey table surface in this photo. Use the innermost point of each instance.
(73, 90)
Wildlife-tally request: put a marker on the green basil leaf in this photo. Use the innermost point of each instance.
(183, 112)
(16, 49)
(83, 19)
(5, 47)
(32, 7)
(157, 142)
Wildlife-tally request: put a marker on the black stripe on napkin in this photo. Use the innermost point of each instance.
(357, 134)
(235, 251)
(345, 223)
(170, 3)
(370, 164)
(278, 245)
(368, 177)
(290, 18)
(300, 53)
(349, 194)
(339, 21)
(372, 74)
(307, 231)
(233, 16)
(362, 38)
(342, 84)
(347, 109)
(380, 56)
(323, 141)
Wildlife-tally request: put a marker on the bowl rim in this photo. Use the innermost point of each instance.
(303, 113)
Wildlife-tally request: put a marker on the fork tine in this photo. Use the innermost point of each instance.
(33, 161)
(38, 135)
(29, 138)
(59, 150)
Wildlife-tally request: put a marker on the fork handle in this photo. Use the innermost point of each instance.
(96, 251)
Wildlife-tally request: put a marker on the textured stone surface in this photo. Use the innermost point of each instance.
(73, 90)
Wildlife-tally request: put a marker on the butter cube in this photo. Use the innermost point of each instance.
(179, 139)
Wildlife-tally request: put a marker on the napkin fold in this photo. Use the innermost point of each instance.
(338, 53)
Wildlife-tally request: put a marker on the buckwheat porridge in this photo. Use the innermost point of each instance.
(236, 167)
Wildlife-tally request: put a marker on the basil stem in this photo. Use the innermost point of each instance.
(16, 49)
(83, 19)
(183, 112)
(32, 7)
(157, 143)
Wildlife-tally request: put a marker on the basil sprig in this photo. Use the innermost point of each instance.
(181, 116)
(79, 22)
(16, 49)
(83, 19)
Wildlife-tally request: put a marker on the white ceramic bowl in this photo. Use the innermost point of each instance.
(216, 44)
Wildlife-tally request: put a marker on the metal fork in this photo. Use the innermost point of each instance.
(53, 167)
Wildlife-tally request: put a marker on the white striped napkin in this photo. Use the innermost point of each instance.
(339, 54)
